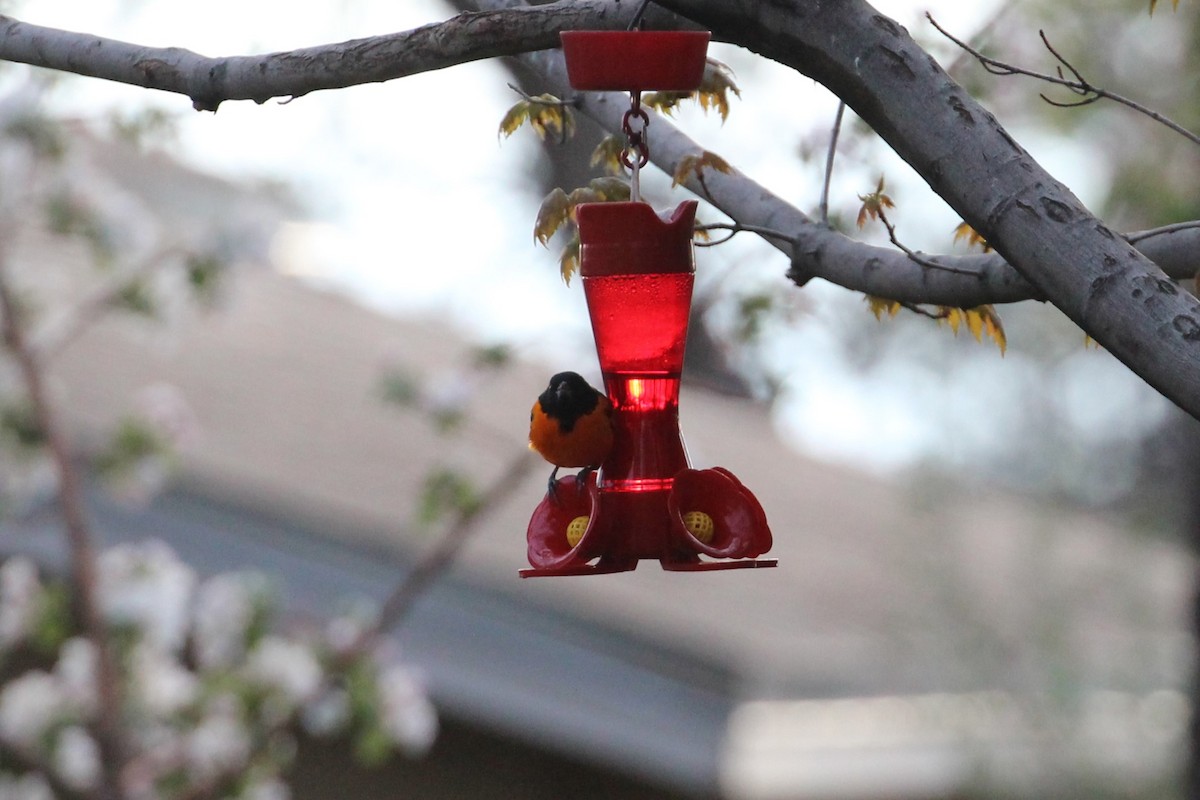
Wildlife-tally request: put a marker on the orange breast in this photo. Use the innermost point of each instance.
(585, 445)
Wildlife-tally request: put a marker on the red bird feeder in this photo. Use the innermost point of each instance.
(637, 271)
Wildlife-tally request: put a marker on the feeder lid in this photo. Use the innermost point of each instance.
(625, 61)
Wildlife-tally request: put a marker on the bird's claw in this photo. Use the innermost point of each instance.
(581, 478)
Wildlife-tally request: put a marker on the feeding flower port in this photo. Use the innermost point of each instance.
(637, 270)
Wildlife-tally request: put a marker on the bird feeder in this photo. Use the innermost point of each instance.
(637, 270)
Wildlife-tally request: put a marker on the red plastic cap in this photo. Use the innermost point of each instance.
(630, 239)
(633, 61)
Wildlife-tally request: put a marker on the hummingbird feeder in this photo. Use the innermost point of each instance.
(637, 270)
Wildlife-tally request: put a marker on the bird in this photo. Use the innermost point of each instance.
(571, 425)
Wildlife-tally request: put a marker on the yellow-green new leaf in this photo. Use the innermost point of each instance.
(696, 163)
(952, 317)
(552, 215)
(992, 326)
(568, 260)
(608, 154)
(881, 305)
(972, 237)
(544, 113)
(665, 102)
(980, 321)
(873, 204)
(514, 118)
(715, 88)
(610, 189)
(1153, 3)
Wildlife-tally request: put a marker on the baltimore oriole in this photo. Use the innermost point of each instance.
(570, 425)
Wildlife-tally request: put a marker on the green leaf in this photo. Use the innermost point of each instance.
(19, 424)
(136, 298)
(204, 274)
(752, 311)
(446, 491)
(400, 386)
(53, 624)
(493, 356)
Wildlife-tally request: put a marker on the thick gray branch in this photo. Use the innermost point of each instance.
(1072, 259)
(1060, 252)
(502, 27)
(211, 81)
(817, 251)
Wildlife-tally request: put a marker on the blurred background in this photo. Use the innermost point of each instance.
(986, 578)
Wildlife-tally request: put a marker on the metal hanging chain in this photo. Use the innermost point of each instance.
(637, 148)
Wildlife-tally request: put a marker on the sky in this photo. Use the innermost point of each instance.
(420, 208)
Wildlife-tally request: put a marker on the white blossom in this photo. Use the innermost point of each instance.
(146, 585)
(328, 713)
(30, 786)
(161, 684)
(220, 743)
(20, 595)
(76, 675)
(167, 411)
(286, 666)
(29, 705)
(77, 758)
(269, 789)
(346, 631)
(225, 606)
(405, 711)
(26, 478)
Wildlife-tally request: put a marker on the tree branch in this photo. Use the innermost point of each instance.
(818, 251)
(211, 81)
(84, 579)
(1088, 92)
(1120, 298)
(1059, 250)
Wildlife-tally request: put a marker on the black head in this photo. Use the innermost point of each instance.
(568, 397)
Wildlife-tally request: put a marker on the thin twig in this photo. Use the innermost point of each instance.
(92, 309)
(833, 142)
(542, 101)
(1134, 238)
(80, 541)
(400, 604)
(636, 22)
(1079, 85)
(735, 228)
(938, 315)
(914, 255)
